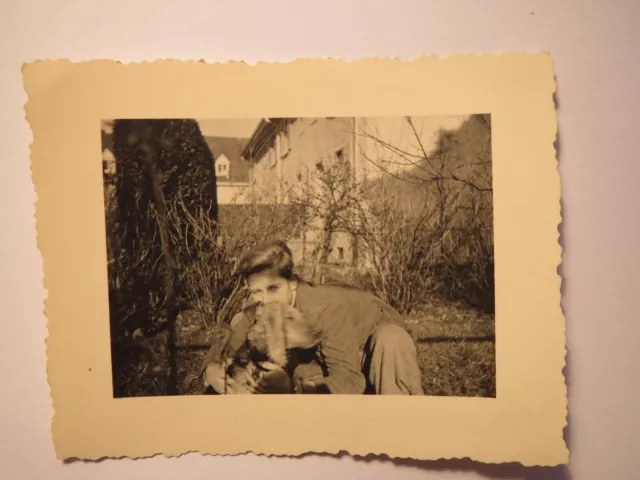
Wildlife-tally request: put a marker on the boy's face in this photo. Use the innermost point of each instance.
(267, 287)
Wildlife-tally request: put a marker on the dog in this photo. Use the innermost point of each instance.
(278, 340)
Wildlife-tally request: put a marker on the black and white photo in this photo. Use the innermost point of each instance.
(315, 256)
(335, 255)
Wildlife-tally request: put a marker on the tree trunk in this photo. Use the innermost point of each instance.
(322, 254)
(170, 266)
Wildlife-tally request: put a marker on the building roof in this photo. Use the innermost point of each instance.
(232, 149)
(228, 146)
(262, 138)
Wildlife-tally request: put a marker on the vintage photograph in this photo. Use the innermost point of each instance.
(331, 255)
(225, 244)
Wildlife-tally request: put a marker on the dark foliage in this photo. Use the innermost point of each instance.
(158, 163)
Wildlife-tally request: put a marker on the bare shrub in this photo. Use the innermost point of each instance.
(209, 253)
(400, 258)
(429, 229)
(205, 277)
(326, 205)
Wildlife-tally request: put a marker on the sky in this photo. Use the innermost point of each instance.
(242, 128)
(396, 131)
(392, 129)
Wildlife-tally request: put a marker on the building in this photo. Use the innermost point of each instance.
(222, 164)
(283, 151)
(287, 153)
(232, 171)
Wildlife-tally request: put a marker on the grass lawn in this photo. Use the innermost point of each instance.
(456, 350)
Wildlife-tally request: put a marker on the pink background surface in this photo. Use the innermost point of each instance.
(595, 46)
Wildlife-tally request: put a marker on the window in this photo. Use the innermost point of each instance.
(303, 175)
(341, 253)
(222, 169)
(341, 160)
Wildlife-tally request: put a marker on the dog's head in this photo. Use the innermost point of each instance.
(279, 328)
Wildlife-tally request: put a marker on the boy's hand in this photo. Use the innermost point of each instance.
(215, 378)
(273, 379)
(307, 386)
(315, 386)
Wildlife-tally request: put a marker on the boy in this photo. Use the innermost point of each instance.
(362, 347)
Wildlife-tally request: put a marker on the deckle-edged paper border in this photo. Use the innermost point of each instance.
(66, 102)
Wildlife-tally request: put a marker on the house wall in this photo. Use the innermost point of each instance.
(264, 178)
(313, 140)
(230, 193)
(310, 140)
